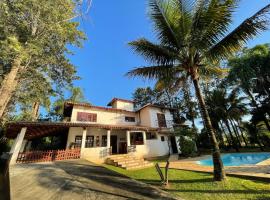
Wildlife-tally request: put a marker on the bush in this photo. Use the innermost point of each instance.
(187, 145)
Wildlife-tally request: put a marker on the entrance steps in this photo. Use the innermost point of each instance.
(128, 161)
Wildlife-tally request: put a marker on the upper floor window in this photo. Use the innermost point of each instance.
(129, 119)
(161, 120)
(151, 135)
(86, 117)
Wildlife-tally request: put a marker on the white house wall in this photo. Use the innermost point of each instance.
(123, 105)
(148, 116)
(105, 117)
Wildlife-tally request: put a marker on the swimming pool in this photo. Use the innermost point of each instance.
(237, 159)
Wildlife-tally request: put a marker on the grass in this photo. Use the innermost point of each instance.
(200, 186)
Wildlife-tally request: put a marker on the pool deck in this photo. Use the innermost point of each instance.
(260, 170)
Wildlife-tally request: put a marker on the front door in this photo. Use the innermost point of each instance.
(122, 147)
(114, 144)
(173, 143)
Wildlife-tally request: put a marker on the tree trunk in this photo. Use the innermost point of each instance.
(231, 135)
(9, 85)
(35, 111)
(236, 133)
(227, 138)
(237, 124)
(219, 173)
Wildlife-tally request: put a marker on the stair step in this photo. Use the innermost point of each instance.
(127, 161)
(139, 167)
(134, 164)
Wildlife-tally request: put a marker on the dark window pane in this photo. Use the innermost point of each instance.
(151, 135)
(162, 138)
(78, 141)
(129, 119)
(104, 141)
(161, 120)
(89, 142)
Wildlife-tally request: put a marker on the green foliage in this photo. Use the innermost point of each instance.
(186, 140)
(38, 33)
(200, 186)
(188, 146)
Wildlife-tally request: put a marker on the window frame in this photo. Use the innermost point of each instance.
(162, 138)
(161, 118)
(130, 119)
(151, 134)
(89, 143)
(86, 117)
(76, 143)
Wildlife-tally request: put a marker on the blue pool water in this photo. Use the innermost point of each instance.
(238, 159)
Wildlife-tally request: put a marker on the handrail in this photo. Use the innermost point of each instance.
(131, 149)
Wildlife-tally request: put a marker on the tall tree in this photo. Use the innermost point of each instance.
(250, 70)
(192, 34)
(34, 36)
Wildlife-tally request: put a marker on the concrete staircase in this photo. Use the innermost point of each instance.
(128, 161)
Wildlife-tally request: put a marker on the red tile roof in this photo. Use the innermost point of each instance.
(41, 129)
(98, 107)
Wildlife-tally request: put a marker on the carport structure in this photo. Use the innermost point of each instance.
(22, 132)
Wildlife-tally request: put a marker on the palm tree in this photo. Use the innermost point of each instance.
(192, 34)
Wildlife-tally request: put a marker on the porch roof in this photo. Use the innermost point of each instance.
(42, 129)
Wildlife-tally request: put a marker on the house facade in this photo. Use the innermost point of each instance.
(102, 131)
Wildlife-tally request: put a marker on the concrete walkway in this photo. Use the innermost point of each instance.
(76, 180)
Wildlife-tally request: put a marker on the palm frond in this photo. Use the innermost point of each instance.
(240, 35)
(165, 14)
(157, 54)
(211, 21)
(152, 72)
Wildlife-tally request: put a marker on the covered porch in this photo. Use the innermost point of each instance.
(94, 142)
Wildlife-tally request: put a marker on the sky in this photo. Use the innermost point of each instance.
(106, 57)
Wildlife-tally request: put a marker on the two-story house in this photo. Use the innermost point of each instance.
(102, 131)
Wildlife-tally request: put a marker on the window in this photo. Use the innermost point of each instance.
(86, 117)
(161, 120)
(129, 119)
(136, 138)
(89, 142)
(104, 141)
(151, 135)
(78, 141)
(162, 138)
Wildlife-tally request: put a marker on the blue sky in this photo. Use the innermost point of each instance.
(106, 57)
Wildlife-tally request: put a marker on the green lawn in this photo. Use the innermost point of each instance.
(194, 185)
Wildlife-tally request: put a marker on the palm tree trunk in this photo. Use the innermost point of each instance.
(219, 173)
(9, 85)
(231, 135)
(227, 138)
(236, 133)
(237, 125)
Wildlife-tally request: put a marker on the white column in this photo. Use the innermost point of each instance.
(108, 138)
(83, 140)
(17, 145)
(23, 145)
(144, 137)
(128, 138)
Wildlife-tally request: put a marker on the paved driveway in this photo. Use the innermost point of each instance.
(75, 180)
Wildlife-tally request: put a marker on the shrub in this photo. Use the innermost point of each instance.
(187, 146)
